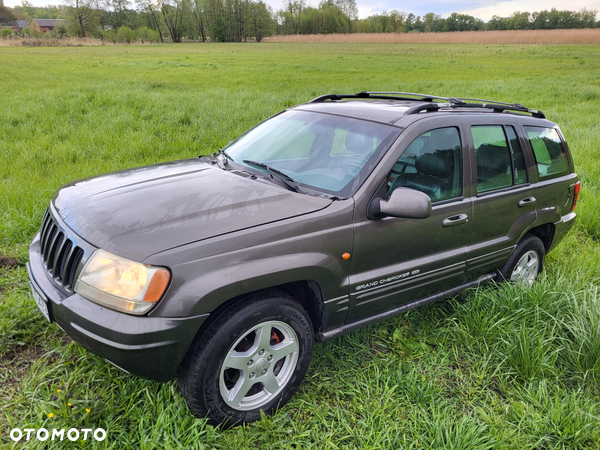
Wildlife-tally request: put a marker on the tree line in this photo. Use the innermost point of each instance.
(242, 20)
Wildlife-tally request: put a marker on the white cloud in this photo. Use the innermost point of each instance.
(483, 9)
(506, 8)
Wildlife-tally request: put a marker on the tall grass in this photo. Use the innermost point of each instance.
(63, 42)
(584, 36)
(500, 367)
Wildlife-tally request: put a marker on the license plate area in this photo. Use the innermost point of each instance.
(41, 302)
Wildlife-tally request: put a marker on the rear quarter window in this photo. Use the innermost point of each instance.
(549, 152)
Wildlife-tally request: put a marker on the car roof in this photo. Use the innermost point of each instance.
(384, 111)
(392, 107)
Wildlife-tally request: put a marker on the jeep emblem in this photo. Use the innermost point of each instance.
(63, 213)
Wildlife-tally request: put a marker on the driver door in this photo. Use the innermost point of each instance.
(397, 260)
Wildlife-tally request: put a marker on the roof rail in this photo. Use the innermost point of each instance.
(379, 95)
(448, 102)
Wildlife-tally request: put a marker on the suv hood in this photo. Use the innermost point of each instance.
(139, 212)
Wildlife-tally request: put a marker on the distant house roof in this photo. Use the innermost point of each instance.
(22, 24)
(49, 23)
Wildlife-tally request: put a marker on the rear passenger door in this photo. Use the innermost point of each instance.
(504, 200)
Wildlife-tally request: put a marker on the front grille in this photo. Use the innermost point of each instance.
(59, 255)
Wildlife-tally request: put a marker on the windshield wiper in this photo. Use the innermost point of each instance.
(287, 180)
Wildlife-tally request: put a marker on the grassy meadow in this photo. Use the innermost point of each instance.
(495, 368)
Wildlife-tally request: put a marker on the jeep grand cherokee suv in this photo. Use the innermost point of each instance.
(329, 216)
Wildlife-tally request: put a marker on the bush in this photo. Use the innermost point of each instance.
(110, 35)
(59, 32)
(218, 32)
(6, 32)
(146, 34)
(125, 35)
(99, 33)
(35, 33)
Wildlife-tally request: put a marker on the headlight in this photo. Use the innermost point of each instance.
(121, 284)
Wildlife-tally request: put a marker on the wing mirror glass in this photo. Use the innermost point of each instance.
(407, 203)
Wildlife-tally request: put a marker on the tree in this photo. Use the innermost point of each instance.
(218, 31)
(520, 21)
(81, 14)
(261, 17)
(6, 16)
(200, 18)
(348, 7)
(462, 22)
(116, 11)
(173, 12)
(587, 17)
(60, 31)
(294, 9)
(151, 8)
(497, 23)
(410, 21)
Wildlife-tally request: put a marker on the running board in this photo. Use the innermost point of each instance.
(331, 334)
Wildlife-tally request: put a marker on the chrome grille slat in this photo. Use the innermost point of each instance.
(59, 253)
(68, 262)
(50, 242)
(56, 243)
(44, 229)
(58, 261)
(44, 232)
(73, 264)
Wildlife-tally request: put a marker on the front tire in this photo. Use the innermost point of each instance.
(526, 262)
(252, 358)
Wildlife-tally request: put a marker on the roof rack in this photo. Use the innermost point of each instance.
(430, 105)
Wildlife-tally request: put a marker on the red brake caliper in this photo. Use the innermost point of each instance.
(274, 338)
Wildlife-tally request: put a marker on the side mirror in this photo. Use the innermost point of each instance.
(405, 202)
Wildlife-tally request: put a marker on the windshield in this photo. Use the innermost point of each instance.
(325, 152)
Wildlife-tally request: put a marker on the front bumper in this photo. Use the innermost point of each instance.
(150, 347)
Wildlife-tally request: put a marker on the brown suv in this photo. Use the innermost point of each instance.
(331, 215)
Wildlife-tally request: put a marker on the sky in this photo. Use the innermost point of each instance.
(481, 9)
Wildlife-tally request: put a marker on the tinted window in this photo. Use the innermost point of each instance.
(549, 154)
(432, 164)
(492, 154)
(517, 153)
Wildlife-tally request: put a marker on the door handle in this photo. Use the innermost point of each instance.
(455, 220)
(526, 201)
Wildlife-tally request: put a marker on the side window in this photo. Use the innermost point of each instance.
(432, 164)
(517, 154)
(492, 155)
(549, 154)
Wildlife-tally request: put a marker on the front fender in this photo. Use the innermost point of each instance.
(228, 282)
(208, 273)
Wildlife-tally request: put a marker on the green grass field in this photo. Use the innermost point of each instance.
(495, 368)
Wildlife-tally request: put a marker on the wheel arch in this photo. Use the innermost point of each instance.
(545, 232)
(307, 293)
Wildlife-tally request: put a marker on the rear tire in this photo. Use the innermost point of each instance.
(526, 262)
(252, 358)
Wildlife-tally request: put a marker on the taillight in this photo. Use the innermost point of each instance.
(576, 194)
